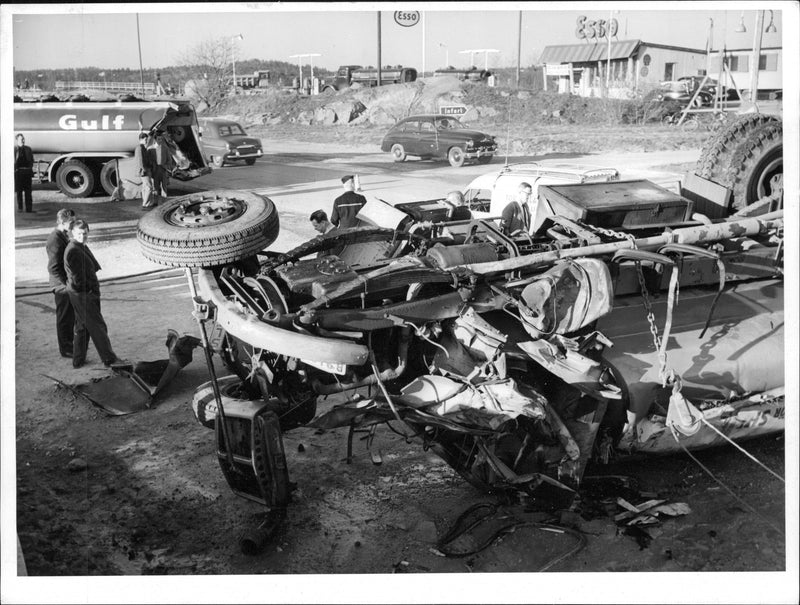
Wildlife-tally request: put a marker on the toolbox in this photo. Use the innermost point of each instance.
(616, 204)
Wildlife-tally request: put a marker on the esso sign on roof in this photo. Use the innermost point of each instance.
(406, 18)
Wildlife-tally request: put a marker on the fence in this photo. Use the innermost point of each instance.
(149, 87)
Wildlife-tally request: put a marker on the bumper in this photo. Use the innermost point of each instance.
(235, 155)
(471, 154)
(266, 336)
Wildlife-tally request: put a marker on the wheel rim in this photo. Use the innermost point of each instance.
(769, 178)
(75, 179)
(205, 211)
(456, 155)
(397, 152)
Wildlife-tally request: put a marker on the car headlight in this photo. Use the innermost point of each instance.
(470, 143)
(228, 146)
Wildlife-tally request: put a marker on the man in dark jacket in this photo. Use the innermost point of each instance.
(516, 216)
(347, 205)
(56, 245)
(23, 173)
(84, 293)
(145, 169)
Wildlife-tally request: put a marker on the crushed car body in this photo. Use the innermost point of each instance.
(624, 323)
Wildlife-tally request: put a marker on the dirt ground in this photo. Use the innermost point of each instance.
(143, 494)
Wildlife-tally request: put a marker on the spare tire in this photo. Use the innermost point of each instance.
(208, 229)
(720, 148)
(756, 169)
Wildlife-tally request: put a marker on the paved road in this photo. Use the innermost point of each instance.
(299, 181)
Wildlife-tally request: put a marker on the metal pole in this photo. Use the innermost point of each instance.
(379, 48)
(423, 44)
(139, 42)
(233, 60)
(519, 44)
(210, 363)
(757, 35)
(608, 64)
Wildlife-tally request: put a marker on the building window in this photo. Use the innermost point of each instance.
(738, 63)
(768, 63)
(669, 71)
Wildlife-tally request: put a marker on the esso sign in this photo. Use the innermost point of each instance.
(406, 18)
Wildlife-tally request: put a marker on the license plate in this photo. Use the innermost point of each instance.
(326, 366)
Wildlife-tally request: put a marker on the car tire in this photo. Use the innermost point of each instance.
(108, 177)
(250, 161)
(217, 161)
(720, 148)
(456, 157)
(398, 153)
(485, 159)
(756, 162)
(75, 179)
(204, 402)
(208, 228)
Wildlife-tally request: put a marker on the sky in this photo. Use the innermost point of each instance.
(104, 35)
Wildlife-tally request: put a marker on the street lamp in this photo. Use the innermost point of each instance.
(233, 57)
(446, 54)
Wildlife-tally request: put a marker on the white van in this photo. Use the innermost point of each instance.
(488, 194)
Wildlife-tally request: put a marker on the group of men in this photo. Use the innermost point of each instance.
(515, 218)
(73, 277)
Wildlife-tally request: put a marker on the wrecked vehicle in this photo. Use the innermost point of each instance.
(626, 322)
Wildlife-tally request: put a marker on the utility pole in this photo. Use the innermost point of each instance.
(379, 48)
(139, 42)
(519, 45)
(757, 36)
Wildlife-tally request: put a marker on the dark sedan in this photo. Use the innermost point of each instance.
(226, 141)
(440, 137)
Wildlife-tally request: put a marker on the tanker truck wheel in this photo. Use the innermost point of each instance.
(108, 176)
(75, 179)
(208, 229)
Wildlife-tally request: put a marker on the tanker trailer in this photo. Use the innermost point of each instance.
(77, 145)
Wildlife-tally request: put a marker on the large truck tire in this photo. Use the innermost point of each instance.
(208, 229)
(756, 169)
(718, 151)
(75, 179)
(108, 177)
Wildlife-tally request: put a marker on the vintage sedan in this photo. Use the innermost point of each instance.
(439, 137)
(226, 141)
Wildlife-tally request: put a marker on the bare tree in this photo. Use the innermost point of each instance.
(206, 67)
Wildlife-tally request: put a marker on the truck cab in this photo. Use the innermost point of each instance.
(489, 193)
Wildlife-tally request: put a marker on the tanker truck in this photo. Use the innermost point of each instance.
(347, 75)
(78, 145)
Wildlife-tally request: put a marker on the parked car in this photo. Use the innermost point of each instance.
(439, 137)
(226, 141)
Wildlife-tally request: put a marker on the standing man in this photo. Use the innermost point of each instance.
(516, 216)
(56, 245)
(347, 205)
(84, 293)
(144, 166)
(23, 173)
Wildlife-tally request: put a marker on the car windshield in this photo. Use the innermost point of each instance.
(448, 124)
(230, 130)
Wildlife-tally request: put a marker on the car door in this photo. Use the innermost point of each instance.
(428, 139)
(408, 136)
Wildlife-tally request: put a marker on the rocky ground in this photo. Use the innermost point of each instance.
(143, 494)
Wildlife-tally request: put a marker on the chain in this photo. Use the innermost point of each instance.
(651, 319)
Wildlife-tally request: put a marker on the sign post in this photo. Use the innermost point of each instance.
(453, 110)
